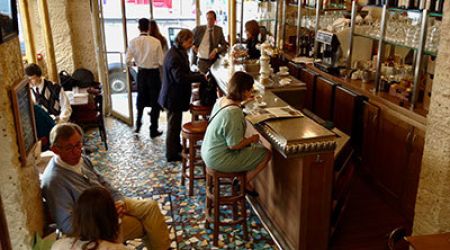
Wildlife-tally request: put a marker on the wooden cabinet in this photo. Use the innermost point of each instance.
(392, 155)
(370, 131)
(412, 174)
(324, 98)
(309, 78)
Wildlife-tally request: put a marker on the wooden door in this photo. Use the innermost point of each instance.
(370, 132)
(309, 78)
(394, 137)
(324, 98)
(412, 174)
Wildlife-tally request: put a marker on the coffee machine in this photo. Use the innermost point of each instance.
(328, 51)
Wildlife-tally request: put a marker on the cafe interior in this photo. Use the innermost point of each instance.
(352, 100)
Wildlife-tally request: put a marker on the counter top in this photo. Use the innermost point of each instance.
(307, 137)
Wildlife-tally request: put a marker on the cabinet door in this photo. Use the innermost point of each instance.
(309, 78)
(412, 174)
(344, 109)
(324, 98)
(370, 131)
(394, 137)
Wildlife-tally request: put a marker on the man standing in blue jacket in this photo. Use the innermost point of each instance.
(176, 90)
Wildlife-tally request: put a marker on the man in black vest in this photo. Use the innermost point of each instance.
(209, 42)
(50, 97)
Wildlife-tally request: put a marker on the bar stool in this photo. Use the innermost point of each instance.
(217, 196)
(191, 133)
(197, 110)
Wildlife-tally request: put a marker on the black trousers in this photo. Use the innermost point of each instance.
(173, 143)
(149, 85)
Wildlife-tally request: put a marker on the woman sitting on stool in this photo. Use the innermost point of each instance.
(95, 223)
(225, 148)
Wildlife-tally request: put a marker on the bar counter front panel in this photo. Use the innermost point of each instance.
(295, 189)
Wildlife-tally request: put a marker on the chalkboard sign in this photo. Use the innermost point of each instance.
(24, 118)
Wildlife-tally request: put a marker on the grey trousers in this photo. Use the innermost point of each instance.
(173, 143)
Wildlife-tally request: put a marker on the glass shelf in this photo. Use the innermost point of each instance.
(399, 44)
(266, 20)
(366, 36)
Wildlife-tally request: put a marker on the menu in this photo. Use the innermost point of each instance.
(24, 118)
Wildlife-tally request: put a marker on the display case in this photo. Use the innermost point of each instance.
(265, 12)
(390, 47)
(405, 41)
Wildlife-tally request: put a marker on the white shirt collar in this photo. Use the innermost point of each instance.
(40, 86)
(75, 168)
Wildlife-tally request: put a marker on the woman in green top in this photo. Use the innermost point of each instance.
(225, 147)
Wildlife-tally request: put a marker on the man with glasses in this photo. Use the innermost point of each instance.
(209, 42)
(69, 173)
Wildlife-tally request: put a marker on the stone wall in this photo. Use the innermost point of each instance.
(19, 185)
(433, 198)
(73, 38)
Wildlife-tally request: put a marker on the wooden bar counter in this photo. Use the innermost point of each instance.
(295, 190)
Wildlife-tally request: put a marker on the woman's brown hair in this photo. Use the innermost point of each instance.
(95, 218)
(252, 27)
(238, 84)
(154, 31)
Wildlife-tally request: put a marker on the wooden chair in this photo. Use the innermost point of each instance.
(91, 114)
(217, 196)
(191, 133)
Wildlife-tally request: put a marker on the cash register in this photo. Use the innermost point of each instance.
(328, 52)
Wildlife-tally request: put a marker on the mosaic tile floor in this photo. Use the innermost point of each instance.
(135, 164)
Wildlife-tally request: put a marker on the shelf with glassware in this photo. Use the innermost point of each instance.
(264, 12)
(299, 24)
(400, 71)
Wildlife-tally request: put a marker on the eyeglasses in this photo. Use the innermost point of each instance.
(70, 147)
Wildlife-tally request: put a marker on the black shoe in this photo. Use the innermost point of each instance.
(173, 159)
(138, 127)
(155, 134)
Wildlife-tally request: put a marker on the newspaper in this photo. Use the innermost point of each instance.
(264, 114)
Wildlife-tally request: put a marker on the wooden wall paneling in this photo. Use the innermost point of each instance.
(370, 134)
(309, 78)
(324, 98)
(392, 152)
(412, 174)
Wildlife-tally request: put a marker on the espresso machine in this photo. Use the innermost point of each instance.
(328, 51)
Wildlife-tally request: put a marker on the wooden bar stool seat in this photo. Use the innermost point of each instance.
(219, 195)
(197, 110)
(191, 134)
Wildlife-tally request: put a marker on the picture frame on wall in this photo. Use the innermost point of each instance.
(8, 20)
(23, 109)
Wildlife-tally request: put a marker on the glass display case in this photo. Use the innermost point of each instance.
(406, 43)
(265, 12)
(392, 47)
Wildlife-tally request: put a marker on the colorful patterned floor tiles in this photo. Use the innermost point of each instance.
(135, 164)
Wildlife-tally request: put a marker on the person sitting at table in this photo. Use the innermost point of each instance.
(95, 223)
(50, 98)
(252, 31)
(225, 147)
(69, 173)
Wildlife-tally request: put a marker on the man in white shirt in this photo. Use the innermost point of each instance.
(146, 51)
(209, 42)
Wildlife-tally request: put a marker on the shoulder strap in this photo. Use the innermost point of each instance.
(210, 119)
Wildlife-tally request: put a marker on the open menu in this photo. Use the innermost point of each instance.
(264, 114)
